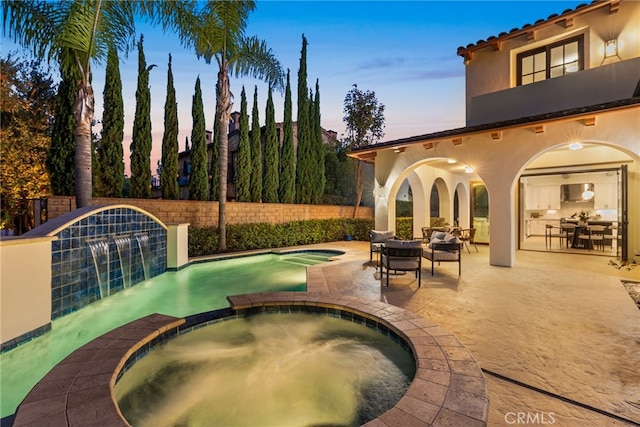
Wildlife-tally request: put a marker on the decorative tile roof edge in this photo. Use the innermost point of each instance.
(528, 28)
(500, 125)
(54, 226)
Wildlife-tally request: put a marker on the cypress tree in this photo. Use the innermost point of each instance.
(303, 158)
(169, 175)
(63, 146)
(110, 152)
(243, 171)
(198, 180)
(287, 156)
(141, 138)
(256, 152)
(271, 160)
(96, 173)
(214, 167)
(318, 149)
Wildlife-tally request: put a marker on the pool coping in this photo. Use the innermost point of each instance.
(449, 387)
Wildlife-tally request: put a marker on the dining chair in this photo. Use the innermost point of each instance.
(467, 236)
(569, 231)
(551, 231)
(593, 235)
(426, 234)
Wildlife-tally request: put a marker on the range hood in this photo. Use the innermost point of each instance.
(573, 192)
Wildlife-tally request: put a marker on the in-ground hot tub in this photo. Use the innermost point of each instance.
(291, 367)
(448, 386)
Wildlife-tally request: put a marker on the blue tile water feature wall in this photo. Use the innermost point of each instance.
(74, 281)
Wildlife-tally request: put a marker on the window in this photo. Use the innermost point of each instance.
(551, 61)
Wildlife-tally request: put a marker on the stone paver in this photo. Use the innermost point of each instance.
(562, 323)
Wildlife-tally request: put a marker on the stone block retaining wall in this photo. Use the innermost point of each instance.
(205, 214)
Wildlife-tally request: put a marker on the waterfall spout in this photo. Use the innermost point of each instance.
(100, 253)
(123, 244)
(145, 253)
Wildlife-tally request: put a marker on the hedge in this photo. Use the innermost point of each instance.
(263, 235)
(244, 237)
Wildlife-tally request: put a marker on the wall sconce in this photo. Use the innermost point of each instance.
(611, 48)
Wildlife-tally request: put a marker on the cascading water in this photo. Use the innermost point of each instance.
(100, 253)
(145, 253)
(123, 244)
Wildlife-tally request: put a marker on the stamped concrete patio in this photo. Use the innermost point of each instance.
(557, 335)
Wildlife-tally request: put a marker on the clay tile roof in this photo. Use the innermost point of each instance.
(514, 32)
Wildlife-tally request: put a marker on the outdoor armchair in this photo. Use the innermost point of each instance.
(377, 239)
(444, 247)
(401, 255)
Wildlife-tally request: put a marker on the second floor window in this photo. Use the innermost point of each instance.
(551, 61)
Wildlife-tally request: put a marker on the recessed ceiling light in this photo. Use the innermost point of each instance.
(575, 146)
(451, 161)
(468, 169)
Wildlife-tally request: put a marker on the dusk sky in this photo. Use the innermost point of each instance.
(403, 51)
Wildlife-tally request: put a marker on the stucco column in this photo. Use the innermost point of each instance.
(177, 246)
(381, 210)
(502, 223)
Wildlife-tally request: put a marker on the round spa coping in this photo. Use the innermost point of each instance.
(448, 388)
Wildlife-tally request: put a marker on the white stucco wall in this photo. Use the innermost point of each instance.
(25, 285)
(493, 71)
(499, 164)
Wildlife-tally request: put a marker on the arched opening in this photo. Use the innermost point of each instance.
(432, 185)
(434, 201)
(480, 211)
(404, 210)
(572, 200)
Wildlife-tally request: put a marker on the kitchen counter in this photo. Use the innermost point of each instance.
(536, 226)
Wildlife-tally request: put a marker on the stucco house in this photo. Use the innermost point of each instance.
(549, 104)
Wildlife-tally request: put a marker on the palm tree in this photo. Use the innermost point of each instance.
(74, 34)
(217, 32)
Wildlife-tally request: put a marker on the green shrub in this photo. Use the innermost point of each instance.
(404, 228)
(244, 237)
(203, 241)
(404, 208)
(438, 222)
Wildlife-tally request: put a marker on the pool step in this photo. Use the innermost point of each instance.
(304, 260)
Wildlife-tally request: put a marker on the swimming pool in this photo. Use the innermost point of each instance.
(200, 287)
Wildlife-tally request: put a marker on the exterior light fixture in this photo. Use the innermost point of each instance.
(468, 169)
(575, 146)
(587, 194)
(611, 48)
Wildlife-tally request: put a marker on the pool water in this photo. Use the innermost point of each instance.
(280, 370)
(198, 288)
